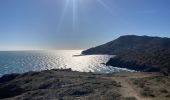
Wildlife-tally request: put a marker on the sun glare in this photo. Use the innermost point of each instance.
(74, 5)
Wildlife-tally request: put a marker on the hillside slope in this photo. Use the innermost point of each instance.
(157, 60)
(141, 53)
(130, 43)
(65, 84)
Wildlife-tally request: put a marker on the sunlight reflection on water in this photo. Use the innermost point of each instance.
(23, 61)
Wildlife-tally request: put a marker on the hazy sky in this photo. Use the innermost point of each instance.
(52, 24)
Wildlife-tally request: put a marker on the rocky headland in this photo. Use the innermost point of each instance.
(140, 53)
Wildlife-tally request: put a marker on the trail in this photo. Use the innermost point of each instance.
(128, 89)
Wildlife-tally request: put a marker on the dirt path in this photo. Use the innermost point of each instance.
(128, 90)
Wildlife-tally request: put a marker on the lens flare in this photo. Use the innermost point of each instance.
(106, 6)
(63, 14)
(74, 5)
(75, 15)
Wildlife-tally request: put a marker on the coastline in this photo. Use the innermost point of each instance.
(131, 65)
(141, 53)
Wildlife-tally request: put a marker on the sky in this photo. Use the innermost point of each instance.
(78, 24)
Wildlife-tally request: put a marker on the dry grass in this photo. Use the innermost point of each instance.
(157, 88)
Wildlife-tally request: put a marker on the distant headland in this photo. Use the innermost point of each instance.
(141, 53)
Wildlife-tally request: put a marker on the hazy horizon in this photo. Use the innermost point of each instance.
(78, 24)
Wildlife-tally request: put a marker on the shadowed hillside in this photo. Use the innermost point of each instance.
(150, 61)
(141, 53)
(128, 43)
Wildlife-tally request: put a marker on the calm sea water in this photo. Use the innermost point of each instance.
(24, 61)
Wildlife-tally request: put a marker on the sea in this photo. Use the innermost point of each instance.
(24, 61)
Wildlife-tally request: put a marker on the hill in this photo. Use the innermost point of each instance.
(130, 43)
(157, 60)
(141, 53)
